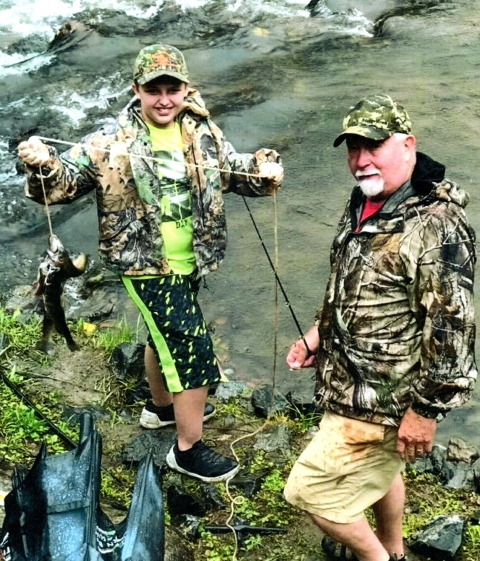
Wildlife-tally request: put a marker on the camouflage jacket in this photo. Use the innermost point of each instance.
(116, 161)
(397, 324)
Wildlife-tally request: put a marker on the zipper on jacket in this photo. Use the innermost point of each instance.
(200, 200)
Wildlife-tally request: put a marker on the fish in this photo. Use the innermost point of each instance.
(55, 269)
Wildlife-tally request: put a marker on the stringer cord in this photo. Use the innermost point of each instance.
(149, 158)
(47, 210)
(239, 499)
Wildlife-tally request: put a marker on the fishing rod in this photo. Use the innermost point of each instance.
(18, 392)
(279, 283)
(53, 427)
(277, 279)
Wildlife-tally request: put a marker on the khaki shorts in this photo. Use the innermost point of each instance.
(348, 466)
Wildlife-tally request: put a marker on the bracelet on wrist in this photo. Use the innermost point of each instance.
(309, 352)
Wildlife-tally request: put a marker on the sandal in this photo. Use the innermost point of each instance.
(336, 551)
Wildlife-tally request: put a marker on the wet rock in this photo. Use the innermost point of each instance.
(189, 525)
(196, 501)
(476, 475)
(249, 484)
(127, 361)
(68, 35)
(460, 451)
(176, 546)
(159, 442)
(475, 518)
(181, 502)
(433, 462)
(458, 475)
(27, 45)
(453, 474)
(112, 22)
(227, 423)
(263, 404)
(393, 27)
(439, 539)
(168, 13)
(99, 306)
(230, 390)
(300, 408)
(401, 20)
(424, 465)
(274, 439)
(23, 300)
(211, 497)
(437, 458)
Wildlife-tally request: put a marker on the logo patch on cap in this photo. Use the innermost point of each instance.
(159, 60)
(376, 117)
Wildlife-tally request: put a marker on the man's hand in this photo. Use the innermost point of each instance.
(298, 356)
(415, 436)
(272, 172)
(33, 152)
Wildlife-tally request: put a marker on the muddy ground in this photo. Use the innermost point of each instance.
(84, 379)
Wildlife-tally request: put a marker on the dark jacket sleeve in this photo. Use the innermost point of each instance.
(444, 258)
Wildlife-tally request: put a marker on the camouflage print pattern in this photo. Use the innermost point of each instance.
(376, 117)
(159, 60)
(114, 162)
(397, 325)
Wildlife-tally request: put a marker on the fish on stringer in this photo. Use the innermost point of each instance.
(55, 269)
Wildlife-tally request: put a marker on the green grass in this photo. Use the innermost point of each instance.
(106, 338)
(22, 432)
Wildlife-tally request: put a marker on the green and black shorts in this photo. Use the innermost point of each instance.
(177, 331)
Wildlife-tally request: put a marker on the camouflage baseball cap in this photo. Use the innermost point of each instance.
(159, 60)
(376, 117)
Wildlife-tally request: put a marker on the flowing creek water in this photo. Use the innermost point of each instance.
(274, 74)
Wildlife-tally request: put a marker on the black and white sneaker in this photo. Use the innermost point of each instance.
(201, 462)
(154, 417)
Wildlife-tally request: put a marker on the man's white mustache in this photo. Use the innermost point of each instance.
(362, 175)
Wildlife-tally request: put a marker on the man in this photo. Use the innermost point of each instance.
(160, 173)
(393, 345)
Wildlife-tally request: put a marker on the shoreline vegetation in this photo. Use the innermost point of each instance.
(61, 385)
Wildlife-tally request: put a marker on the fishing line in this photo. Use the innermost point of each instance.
(53, 427)
(141, 157)
(277, 278)
(234, 501)
(47, 209)
(237, 501)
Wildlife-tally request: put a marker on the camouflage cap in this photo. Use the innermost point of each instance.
(159, 60)
(376, 117)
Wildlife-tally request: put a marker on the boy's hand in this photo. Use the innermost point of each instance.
(272, 172)
(33, 152)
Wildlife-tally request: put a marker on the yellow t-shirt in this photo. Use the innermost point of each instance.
(176, 199)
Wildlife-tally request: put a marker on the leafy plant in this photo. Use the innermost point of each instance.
(108, 338)
(21, 433)
(473, 536)
(19, 336)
